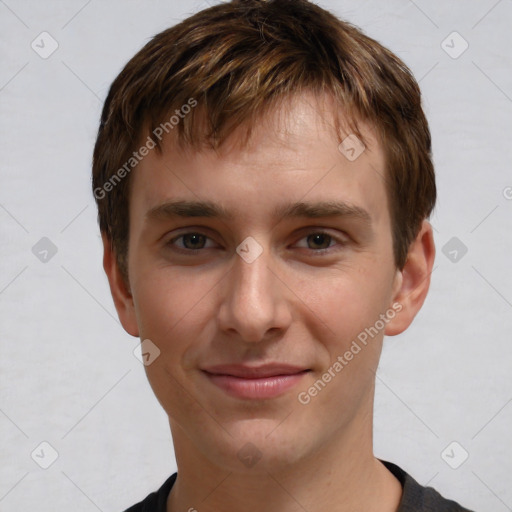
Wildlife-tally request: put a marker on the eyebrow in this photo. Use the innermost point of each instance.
(208, 209)
(322, 209)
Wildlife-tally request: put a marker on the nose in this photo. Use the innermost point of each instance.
(254, 305)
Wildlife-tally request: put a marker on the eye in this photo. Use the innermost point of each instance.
(320, 242)
(317, 242)
(190, 242)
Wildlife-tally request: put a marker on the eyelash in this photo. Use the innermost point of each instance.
(316, 252)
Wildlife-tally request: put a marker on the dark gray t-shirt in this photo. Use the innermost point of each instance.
(415, 497)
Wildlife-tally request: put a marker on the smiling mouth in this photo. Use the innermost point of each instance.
(256, 383)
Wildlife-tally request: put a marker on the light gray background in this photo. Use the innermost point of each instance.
(68, 373)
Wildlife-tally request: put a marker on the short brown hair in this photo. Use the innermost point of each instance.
(239, 60)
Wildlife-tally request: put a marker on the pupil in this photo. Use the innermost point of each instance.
(194, 240)
(320, 239)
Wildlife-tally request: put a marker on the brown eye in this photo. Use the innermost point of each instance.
(193, 241)
(319, 241)
(322, 243)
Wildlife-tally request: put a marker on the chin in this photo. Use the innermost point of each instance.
(258, 446)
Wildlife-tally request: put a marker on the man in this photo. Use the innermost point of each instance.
(263, 176)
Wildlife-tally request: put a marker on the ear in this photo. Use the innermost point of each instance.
(121, 294)
(413, 281)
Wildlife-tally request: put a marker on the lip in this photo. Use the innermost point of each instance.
(256, 382)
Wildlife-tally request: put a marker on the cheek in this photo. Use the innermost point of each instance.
(173, 310)
(347, 301)
(172, 306)
(349, 305)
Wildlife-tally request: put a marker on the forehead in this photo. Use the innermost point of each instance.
(293, 153)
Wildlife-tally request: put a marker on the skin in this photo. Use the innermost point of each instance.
(293, 304)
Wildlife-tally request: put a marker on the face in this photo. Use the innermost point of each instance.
(257, 273)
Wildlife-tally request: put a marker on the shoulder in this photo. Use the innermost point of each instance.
(417, 498)
(156, 501)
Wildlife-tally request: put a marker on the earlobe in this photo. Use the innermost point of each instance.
(413, 280)
(121, 294)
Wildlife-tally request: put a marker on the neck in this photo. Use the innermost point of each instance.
(342, 476)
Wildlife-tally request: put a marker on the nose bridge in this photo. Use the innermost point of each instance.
(253, 302)
(252, 279)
